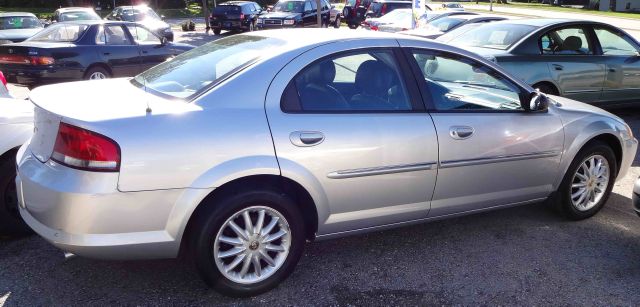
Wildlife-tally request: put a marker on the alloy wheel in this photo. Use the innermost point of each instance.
(97, 76)
(590, 182)
(252, 245)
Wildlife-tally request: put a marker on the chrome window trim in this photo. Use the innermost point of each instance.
(497, 159)
(382, 170)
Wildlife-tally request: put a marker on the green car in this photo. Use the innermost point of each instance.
(583, 60)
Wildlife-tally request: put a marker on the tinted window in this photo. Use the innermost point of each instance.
(112, 35)
(567, 41)
(359, 81)
(191, 72)
(221, 9)
(458, 83)
(19, 22)
(493, 35)
(615, 43)
(444, 24)
(79, 15)
(138, 14)
(60, 33)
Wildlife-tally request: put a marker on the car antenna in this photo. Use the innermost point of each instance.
(148, 110)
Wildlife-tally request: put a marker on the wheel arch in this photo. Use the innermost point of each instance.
(548, 83)
(98, 64)
(279, 183)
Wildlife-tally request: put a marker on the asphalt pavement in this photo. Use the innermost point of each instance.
(526, 255)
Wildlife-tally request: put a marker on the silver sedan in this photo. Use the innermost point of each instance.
(238, 151)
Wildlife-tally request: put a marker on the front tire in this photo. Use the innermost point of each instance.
(10, 221)
(248, 242)
(353, 26)
(338, 22)
(587, 184)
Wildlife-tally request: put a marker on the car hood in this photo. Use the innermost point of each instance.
(280, 15)
(18, 34)
(93, 101)
(570, 105)
(15, 111)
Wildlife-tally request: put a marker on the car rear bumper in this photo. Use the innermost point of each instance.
(84, 213)
(229, 25)
(40, 75)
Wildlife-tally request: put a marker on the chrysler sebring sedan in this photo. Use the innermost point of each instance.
(589, 61)
(341, 133)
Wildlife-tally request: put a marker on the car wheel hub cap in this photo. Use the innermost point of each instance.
(590, 182)
(252, 245)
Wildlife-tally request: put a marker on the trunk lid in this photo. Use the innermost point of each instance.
(78, 103)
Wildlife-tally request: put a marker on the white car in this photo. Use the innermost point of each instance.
(16, 127)
(456, 7)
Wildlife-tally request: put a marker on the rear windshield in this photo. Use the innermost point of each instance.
(19, 22)
(445, 24)
(138, 14)
(226, 8)
(60, 33)
(385, 8)
(493, 35)
(192, 72)
(79, 15)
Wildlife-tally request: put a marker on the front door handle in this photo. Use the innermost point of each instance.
(558, 67)
(460, 132)
(306, 138)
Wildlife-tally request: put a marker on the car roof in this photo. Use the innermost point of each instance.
(544, 22)
(473, 16)
(74, 8)
(235, 2)
(17, 14)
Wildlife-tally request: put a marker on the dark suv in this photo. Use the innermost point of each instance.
(356, 11)
(295, 13)
(234, 16)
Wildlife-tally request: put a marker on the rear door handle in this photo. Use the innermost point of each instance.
(558, 67)
(460, 132)
(306, 138)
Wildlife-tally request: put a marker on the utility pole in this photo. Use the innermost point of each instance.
(319, 12)
(205, 11)
(491, 5)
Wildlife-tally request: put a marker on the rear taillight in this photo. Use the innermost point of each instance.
(26, 60)
(241, 16)
(86, 150)
(374, 28)
(3, 79)
(383, 10)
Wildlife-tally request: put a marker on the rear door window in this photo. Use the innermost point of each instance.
(566, 41)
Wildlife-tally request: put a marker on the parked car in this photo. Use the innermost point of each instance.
(16, 27)
(16, 127)
(294, 14)
(90, 49)
(144, 15)
(235, 16)
(452, 6)
(392, 17)
(585, 60)
(356, 11)
(335, 17)
(440, 26)
(73, 14)
(183, 158)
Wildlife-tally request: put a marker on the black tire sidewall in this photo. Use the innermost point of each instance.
(208, 225)
(564, 192)
(217, 31)
(337, 23)
(10, 224)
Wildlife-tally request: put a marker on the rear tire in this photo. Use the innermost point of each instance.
(10, 221)
(353, 26)
(212, 229)
(217, 31)
(338, 22)
(96, 73)
(567, 198)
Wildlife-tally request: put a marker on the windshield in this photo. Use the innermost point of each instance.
(191, 72)
(60, 33)
(445, 24)
(138, 14)
(395, 16)
(79, 15)
(493, 35)
(19, 22)
(289, 6)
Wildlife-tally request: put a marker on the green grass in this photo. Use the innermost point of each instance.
(191, 11)
(547, 7)
(40, 12)
(44, 13)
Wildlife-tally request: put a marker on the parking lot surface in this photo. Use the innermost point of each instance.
(525, 255)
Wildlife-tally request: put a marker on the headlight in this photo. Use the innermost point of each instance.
(289, 21)
(260, 20)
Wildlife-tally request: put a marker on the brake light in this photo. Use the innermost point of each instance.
(3, 79)
(383, 10)
(86, 150)
(26, 60)
(374, 28)
(241, 16)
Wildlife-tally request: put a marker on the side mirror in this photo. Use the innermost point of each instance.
(536, 102)
(163, 41)
(162, 17)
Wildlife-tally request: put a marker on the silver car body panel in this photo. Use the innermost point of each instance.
(362, 176)
(16, 123)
